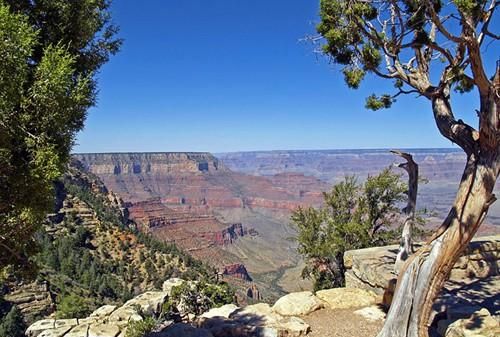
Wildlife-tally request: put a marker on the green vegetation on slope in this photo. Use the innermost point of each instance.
(90, 254)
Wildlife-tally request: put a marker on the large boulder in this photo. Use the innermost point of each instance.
(223, 311)
(103, 330)
(78, 331)
(256, 320)
(36, 328)
(479, 324)
(150, 302)
(103, 311)
(170, 283)
(56, 332)
(56, 326)
(296, 304)
(124, 314)
(343, 298)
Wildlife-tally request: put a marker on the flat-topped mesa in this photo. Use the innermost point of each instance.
(151, 163)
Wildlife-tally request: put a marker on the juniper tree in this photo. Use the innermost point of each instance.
(434, 50)
(50, 52)
(353, 216)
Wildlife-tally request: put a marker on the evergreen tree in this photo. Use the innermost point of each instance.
(435, 50)
(353, 216)
(12, 325)
(72, 306)
(50, 51)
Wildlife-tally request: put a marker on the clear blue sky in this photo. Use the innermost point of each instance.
(226, 75)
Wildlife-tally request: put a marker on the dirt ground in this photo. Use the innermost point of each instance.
(341, 323)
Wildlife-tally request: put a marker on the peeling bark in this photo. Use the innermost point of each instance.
(406, 245)
(423, 275)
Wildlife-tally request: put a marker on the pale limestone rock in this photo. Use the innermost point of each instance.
(260, 314)
(149, 302)
(260, 320)
(170, 283)
(56, 332)
(300, 303)
(122, 314)
(78, 331)
(103, 330)
(36, 328)
(223, 311)
(88, 320)
(342, 298)
(372, 313)
(480, 324)
(59, 323)
(103, 311)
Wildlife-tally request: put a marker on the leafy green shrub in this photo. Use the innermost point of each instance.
(196, 298)
(140, 328)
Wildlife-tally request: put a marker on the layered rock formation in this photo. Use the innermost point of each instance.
(442, 167)
(237, 270)
(192, 199)
(33, 299)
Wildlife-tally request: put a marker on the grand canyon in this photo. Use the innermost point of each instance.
(232, 209)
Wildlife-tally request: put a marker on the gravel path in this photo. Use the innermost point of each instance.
(341, 323)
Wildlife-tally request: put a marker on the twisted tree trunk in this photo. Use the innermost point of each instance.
(425, 272)
(406, 245)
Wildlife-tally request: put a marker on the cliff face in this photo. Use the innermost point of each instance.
(149, 163)
(195, 179)
(217, 215)
(442, 168)
(237, 270)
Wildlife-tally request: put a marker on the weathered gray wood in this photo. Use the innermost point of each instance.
(406, 244)
(423, 275)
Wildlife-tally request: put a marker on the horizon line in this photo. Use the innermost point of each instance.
(280, 150)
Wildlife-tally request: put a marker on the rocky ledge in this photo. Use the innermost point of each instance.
(284, 318)
(287, 317)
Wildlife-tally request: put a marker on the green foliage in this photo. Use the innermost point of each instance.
(12, 325)
(76, 260)
(72, 306)
(413, 38)
(140, 328)
(376, 103)
(354, 216)
(50, 52)
(353, 77)
(196, 298)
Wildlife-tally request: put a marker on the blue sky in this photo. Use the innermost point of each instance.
(226, 75)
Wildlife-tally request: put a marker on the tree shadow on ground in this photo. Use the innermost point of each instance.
(240, 324)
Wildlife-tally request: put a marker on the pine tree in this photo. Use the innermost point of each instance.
(12, 325)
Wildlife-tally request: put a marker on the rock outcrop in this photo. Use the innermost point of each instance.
(342, 298)
(478, 324)
(301, 303)
(237, 270)
(259, 320)
(32, 299)
(373, 268)
(473, 283)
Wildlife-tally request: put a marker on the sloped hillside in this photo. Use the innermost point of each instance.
(91, 254)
